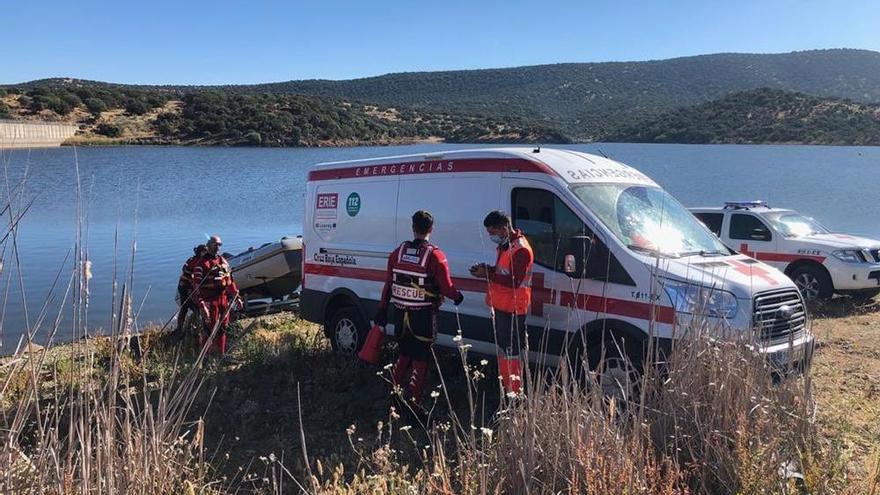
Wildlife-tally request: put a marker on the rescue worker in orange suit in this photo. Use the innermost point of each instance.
(214, 292)
(417, 280)
(509, 294)
(185, 287)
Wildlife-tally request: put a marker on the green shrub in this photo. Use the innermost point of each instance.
(253, 138)
(96, 105)
(109, 130)
(136, 107)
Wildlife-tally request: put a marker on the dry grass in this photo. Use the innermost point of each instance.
(716, 423)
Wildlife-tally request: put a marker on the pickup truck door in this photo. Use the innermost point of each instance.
(750, 235)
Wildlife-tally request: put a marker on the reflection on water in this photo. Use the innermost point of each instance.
(169, 199)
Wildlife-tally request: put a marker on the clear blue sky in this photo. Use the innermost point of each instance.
(201, 42)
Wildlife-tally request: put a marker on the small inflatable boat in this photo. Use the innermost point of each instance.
(273, 270)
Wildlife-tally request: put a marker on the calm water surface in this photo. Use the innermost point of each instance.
(168, 199)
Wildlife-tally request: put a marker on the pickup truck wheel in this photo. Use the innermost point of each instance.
(813, 282)
(346, 330)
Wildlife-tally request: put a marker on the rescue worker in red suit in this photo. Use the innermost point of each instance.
(214, 291)
(185, 287)
(509, 294)
(417, 280)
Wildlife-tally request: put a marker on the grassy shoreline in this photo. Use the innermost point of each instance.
(281, 378)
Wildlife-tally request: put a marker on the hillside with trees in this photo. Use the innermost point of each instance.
(761, 116)
(109, 114)
(587, 100)
(657, 101)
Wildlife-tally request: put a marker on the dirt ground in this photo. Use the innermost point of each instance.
(846, 377)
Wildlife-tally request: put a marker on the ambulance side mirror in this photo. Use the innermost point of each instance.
(574, 261)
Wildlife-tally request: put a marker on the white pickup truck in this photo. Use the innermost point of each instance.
(820, 262)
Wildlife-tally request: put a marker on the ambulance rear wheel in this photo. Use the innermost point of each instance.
(813, 282)
(346, 330)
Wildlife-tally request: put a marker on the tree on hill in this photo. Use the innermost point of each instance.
(95, 105)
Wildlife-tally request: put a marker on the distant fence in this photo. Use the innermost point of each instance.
(18, 134)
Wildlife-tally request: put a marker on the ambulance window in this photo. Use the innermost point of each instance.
(748, 228)
(712, 220)
(549, 225)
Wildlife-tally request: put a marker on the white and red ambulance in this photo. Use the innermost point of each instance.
(819, 261)
(615, 254)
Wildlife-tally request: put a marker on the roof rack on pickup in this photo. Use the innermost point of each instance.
(745, 205)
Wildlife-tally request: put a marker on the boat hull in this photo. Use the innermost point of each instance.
(273, 270)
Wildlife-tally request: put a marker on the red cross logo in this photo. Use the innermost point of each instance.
(744, 249)
(753, 271)
(540, 295)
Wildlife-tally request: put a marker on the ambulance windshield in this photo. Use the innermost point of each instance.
(648, 219)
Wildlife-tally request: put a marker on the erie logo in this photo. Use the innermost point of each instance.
(327, 201)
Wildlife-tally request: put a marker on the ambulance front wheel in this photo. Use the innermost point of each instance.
(346, 330)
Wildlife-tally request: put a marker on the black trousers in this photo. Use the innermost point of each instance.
(416, 331)
(510, 333)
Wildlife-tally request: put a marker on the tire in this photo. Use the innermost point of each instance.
(813, 282)
(619, 370)
(346, 330)
(865, 295)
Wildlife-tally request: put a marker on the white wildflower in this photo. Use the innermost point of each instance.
(405, 428)
(435, 394)
(484, 362)
(457, 338)
(487, 432)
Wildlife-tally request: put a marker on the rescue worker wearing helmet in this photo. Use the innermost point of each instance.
(214, 292)
(417, 279)
(509, 294)
(185, 288)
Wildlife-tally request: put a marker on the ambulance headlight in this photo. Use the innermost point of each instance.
(849, 255)
(700, 300)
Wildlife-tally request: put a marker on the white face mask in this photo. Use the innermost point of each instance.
(497, 239)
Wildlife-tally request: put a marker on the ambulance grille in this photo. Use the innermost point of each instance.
(780, 315)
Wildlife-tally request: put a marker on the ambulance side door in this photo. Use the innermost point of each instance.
(458, 203)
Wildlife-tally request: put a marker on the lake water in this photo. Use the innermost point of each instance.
(171, 198)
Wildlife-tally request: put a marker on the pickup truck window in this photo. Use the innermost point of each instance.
(748, 228)
(550, 226)
(791, 224)
(712, 220)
